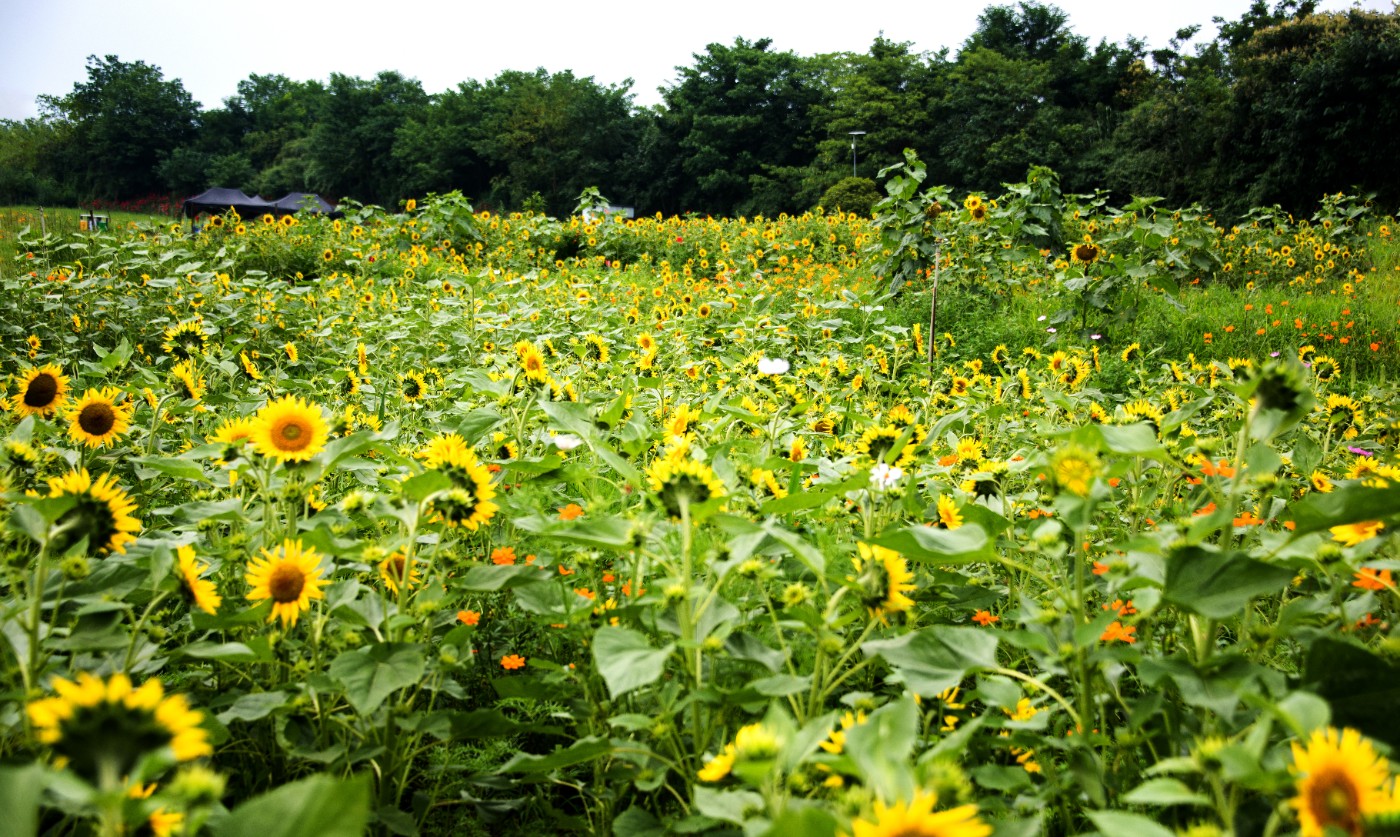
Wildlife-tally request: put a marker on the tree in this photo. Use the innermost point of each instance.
(739, 124)
(125, 119)
(351, 153)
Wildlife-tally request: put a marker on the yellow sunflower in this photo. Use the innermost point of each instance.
(290, 577)
(1354, 533)
(916, 818)
(42, 392)
(101, 512)
(1074, 469)
(185, 340)
(96, 724)
(412, 386)
(201, 592)
(678, 481)
(885, 579)
(1341, 779)
(289, 430)
(189, 384)
(391, 571)
(97, 419)
(468, 502)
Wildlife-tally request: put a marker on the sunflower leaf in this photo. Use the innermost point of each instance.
(371, 674)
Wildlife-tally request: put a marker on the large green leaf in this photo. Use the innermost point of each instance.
(940, 546)
(626, 659)
(372, 673)
(938, 657)
(20, 789)
(318, 805)
(582, 750)
(1346, 504)
(1219, 584)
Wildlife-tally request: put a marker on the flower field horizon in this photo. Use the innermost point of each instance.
(430, 520)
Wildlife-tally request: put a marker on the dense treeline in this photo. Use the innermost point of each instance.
(1282, 106)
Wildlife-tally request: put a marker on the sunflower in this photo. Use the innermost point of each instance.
(531, 362)
(350, 384)
(412, 386)
(101, 512)
(1325, 368)
(502, 448)
(1307, 353)
(948, 516)
(765, 483)
(877, 443)
(595, 349)
(1143, 410)
(1074, 468)
(201, 592)
(185, 340)
(884, 578)
(391, 571)
(289, 430)
(1076, 373)
(249, 367)
(42, 392)
(468, 502)
(1086, 252)
(1132, 353)
(1354, 533)
(969, 451)
(1000, 355)
(102, 726)
(1341, 779)
(1343, 415)
(918, 819)
(291, 577)
(231, 435)
(683, 481)
(190, 385)
(291, 349)
(97, 420)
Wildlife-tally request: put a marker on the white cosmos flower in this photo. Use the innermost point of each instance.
(565, 441)
(883, 476)
(773, 366)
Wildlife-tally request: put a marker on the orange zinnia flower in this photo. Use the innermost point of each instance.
(985, 617)
(573, 511)
(1116, 630)
(503, 555)
(1368, 578)
(510, 662)
(468, 617)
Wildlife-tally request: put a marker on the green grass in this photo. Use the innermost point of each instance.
(15, 220)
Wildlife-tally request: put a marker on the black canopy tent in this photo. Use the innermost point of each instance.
(217, 201)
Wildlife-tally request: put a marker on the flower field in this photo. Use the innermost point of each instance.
(442, 521)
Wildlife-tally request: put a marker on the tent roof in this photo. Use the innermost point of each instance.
(221, 200)
(304, 201)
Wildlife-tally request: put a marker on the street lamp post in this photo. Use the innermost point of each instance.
(854, 134)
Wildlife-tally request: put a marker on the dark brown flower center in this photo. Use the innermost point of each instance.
(97, 419)
(41, 391)
(289, 436)
(286, 583)
(1334, 801)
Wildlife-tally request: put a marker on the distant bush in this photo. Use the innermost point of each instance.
(853, 194)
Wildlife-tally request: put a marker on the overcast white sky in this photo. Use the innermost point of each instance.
(211, 46)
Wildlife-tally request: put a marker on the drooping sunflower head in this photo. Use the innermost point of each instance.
(1340, 780)
(97, 419)
(199, 592)
(289, 430)
(289, 576)
(468, 507)
(1307, 353)
(189, 384)
(42, 392)
(185, 340)
(885, 580)
(101, 512)
(1344, 415)
(1132, 353)
(678, 482)
(94, 723)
